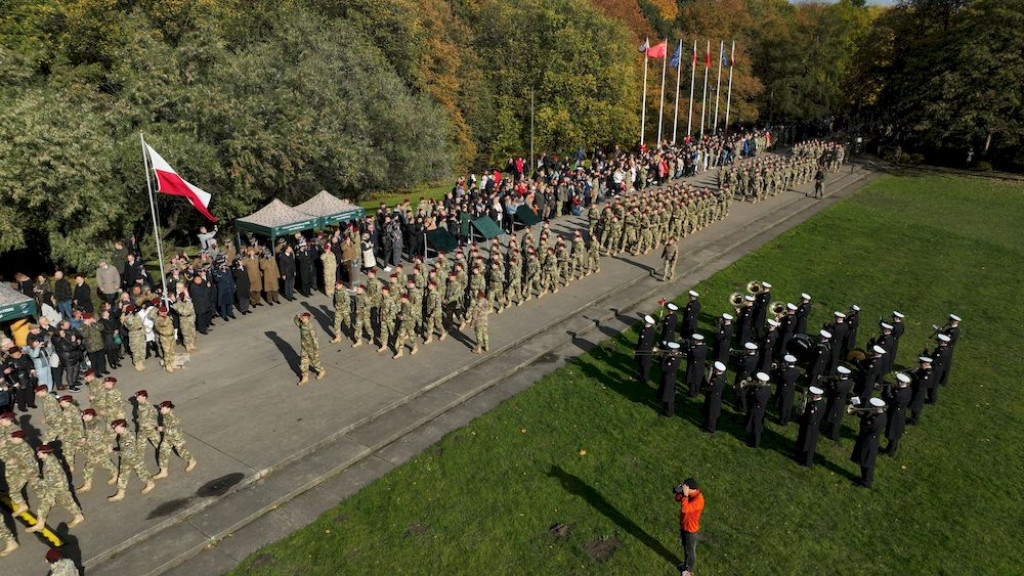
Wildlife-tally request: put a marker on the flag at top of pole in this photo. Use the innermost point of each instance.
(645, 46)
(659, 50)
(677, 55)
(168, 182)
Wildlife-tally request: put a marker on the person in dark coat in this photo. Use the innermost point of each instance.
(134, 272)
(839, 330)
(922, 387)
(224, 281)
(668, 323)
(67, 343)
(787, 328)
(199, 292)
(810, 420)
(745, 322)
(696, 363)
(723, 339)
(952, 331)
(757, 401)
(768, 343)
(870, 373)
(644, 354)
(17, 369)
(852, 324)
(888, 343)
(820, 357)
(286, 265)
(81, 295)
(746, 365)
(669, 368)
(760, 309)
(242, 286)
(62, 294)
(898, 401)
(785, 376)
(838, 393)
(713, 389)
(865, 451)
(940, 366)
(691, 314)
(898, 328)
(110, 328)
(304, 267)
(803, 313)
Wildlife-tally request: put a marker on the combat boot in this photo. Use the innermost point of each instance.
(415, 349)
(112, 481)
(428, 340)
(357, 343)
(38, 526)
(161, 475)
(401, 352)
(12, 545)
(20, 510)
(487, 347)
(191, 465)
(76, 520)
(302, 382)
(139, 366)
(320, 375)
(442, 336)
(169, 368)
(149, 487)
(116, 497)
(476, 350)
(85, 487)
(336, 340)
(382, 348)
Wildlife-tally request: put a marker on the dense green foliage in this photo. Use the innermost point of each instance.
(481, 501)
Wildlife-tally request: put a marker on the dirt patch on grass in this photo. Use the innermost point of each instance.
(601, 550)
(416, 529)
(262, 561)
(560, 531)
(341, 518)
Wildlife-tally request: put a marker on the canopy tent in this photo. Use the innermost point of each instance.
(14, 304)
(526, 217)
(441, 240)
(487, 228)
(277, 219)
(330, 209)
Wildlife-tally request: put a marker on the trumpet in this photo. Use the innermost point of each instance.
(755, 287)
(749, 382)
(853, 409)
(736, 300)
(778, 308)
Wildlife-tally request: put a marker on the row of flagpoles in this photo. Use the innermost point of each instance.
(661, 51)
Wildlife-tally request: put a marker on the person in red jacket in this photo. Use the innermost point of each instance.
(691, 505)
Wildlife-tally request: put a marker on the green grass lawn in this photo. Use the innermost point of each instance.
(481, 501)
(435, 191)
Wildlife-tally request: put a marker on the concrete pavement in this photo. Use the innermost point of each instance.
(273, 456)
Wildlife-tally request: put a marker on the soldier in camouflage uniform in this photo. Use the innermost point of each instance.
(330, 267)
(187, 319)
(434, 312)
(479, 316)
(136, 337)
(388, 314)
(174, 439)
(408, 318)
(7, 539)
(133, 459)
(20, 468)
(373, 295)
(361, 317)
(533, 283)
(309, 354)
(670, 254)
(53, 420)
(416, 301)
(59, 565)
(579, 257)
(514, 279)
(164, 328)
(562, 261)
(342, 309)
(109, 402)
(593, 258)
(72, 433)
(496, 287)
(148, 421)
(52, 488)
(549, 273)
(97, 445)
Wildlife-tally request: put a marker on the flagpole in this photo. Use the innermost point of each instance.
(152, 209)
(718, 86)
(643, 104)
(728, 98)
(693, 74)
(679, 70)
(704, 100)
(661, 107)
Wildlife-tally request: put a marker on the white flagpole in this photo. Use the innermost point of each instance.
(704, 101)
(152, 209)
(728, 98)
(693, 74)
(661, 107)
(643, 104)
(718, 86)
(679, 70)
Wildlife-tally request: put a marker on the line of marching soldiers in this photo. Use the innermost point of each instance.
(778, 351)
(95, 434)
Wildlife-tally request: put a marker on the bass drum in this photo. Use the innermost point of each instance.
(801, 347)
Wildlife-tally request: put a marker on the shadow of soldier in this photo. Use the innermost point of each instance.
(576, 486)
(289, 353)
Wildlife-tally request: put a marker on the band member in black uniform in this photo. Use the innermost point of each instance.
(839, 330)
(668, 323)
(870, 372)
(888, 343)
(803, 313)
(810, 419)
(786, 375)
(768, 343)
(746, 365)
(923, 387)
(940, 366)
(838, 392)
(760, 312)
(898, 328)
(667, 390)
(952, 331)
(898, 400)
(820, 358)
(758, 391)
(852, 323)
(696, 363)
(723, 339)
(745, 322)
(865, 451)
(644, 350)
(691, 314)
(787, 328)
(713, 388)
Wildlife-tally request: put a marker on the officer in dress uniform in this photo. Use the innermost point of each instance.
(644, 350)
(668, 323)
(786, 375)
(691, 314)
(696, 361)
(746, 365)
(865, 451)
(839, 391)
(723, 338)
(757, 403)
(870, 372)
(807, 438)
(898, 401)
(803, 313)
(713, 388)
(922, 387)
(667, 390)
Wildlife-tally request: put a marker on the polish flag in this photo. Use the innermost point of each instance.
(169, 182)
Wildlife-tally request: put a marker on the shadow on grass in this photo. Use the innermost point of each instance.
(576, 486)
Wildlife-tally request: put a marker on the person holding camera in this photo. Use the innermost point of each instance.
(691, 506)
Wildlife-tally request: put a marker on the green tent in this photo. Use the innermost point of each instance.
(330, 209)
(14, 304)
(488, 228)
(526, 216)
(277, 219)
(441, 240)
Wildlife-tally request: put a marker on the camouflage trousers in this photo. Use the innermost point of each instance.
(129, 465)
(670, 269)
(340, 316)
(99, 456)
(48, 499)
(137, 344)
(310, 358)
(361, 325)
(5, 534)
(188, 331)
(514, 291)
(482, 339)
(433, 323)
(406, 332)
(15, 482)
(172, 444)
(169, 349)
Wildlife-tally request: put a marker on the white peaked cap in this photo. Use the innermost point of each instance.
(762, 376)
(698, 336)
(943, 338)
(727, 316)
(896, 314)
(693, 293)
(791, 306)
(843, 370)
(673, 345)
(671, 306)
(748, 298)
(903, 378)
(719, 366)
(886, 326)
(815, 390)
(789, 358)
(855, 308)
(838, 314)
(649, 319)
(924, 359)
(766, 284)
(878, 402)
(773, 323)
(954, 317)
(824, 333)
(750, 346)
(878, 349)
(805, 296)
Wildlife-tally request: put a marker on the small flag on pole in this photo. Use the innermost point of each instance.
(168, 182)
(658, 50)
(725, 59)
(707, 59)
(645, 46)
(695, 54)
(676, 56)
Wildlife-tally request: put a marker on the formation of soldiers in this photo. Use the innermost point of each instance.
(766, 177)
(768, 344)
(98, 437)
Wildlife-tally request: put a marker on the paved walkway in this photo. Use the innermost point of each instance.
(272, 456)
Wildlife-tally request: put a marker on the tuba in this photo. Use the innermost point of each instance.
(736, 300)
(778, 308)
(755, 287)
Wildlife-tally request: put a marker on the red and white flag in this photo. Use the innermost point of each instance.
(168, 182)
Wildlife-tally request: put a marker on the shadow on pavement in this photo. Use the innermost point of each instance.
(289, 353)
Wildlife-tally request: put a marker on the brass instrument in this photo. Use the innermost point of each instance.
(736, 300)
(755, 287)
(778, 308)
(851, 409)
